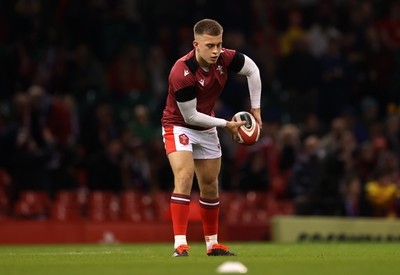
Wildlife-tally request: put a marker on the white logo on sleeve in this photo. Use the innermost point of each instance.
(185, 72)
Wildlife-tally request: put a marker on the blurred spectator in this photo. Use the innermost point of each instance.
(381, 193)
(354, 44)
(289, 144)
(16, 131)
(367, 120)
(335, 76)
(98, 128)
(390, 161)
(161, 174)
(293, 33)
(298, 73)
(347, 151)
(392, 132)
(51, 124)
(85, 72)
(253, 175)
(25, 67)
(104, 168)
(228, 178)
(80, 82)
(48, 113)
(389, 25)
(157, 70)
(314, 184)
(332, 139)
(74, 116)
(304, 182)
(136, 168)
(366, 161)
(52, 66)
(352, 191)
(26, 162)
(319, 35)
(379, 68)
(268, 144)
(286, 153)
(311, 126)
(140, 124)
(235, 94)
(126, 73)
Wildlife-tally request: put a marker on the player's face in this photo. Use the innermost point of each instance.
(208, 48)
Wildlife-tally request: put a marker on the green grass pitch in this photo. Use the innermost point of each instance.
(260, 258)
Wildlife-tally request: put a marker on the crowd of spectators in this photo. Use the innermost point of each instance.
(83, 85)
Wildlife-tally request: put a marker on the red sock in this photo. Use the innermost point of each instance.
(209, 211)
(180, 213)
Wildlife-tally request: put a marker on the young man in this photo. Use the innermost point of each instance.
(189, 128)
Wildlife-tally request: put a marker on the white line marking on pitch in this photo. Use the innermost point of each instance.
(66, 253)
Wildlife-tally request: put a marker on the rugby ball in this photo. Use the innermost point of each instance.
(248, 133)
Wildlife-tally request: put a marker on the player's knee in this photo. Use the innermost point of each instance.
(184, 180)
(210, 187)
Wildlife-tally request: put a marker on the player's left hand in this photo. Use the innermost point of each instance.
(256, 112)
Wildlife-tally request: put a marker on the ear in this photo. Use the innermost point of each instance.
(195, 43)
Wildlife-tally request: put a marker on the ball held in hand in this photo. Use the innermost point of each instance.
(248, 133)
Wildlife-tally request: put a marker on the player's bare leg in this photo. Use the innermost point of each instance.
(183, 168)
(207, 172)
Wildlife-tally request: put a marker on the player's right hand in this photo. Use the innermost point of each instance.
(232, 127)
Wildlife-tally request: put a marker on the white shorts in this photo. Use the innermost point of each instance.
(203, 144)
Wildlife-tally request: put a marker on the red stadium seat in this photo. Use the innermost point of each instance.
(278, 186)
(256, 200)
(32, 204)
(103, 206)
(233, 207)
(4, 205)
(161, 205)
(280, 207)
(137, 207)
(67, 206)
(147, 208)
(130, 202)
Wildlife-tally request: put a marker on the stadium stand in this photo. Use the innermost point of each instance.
(83, 83)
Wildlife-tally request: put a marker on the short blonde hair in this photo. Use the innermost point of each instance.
(208, 26)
